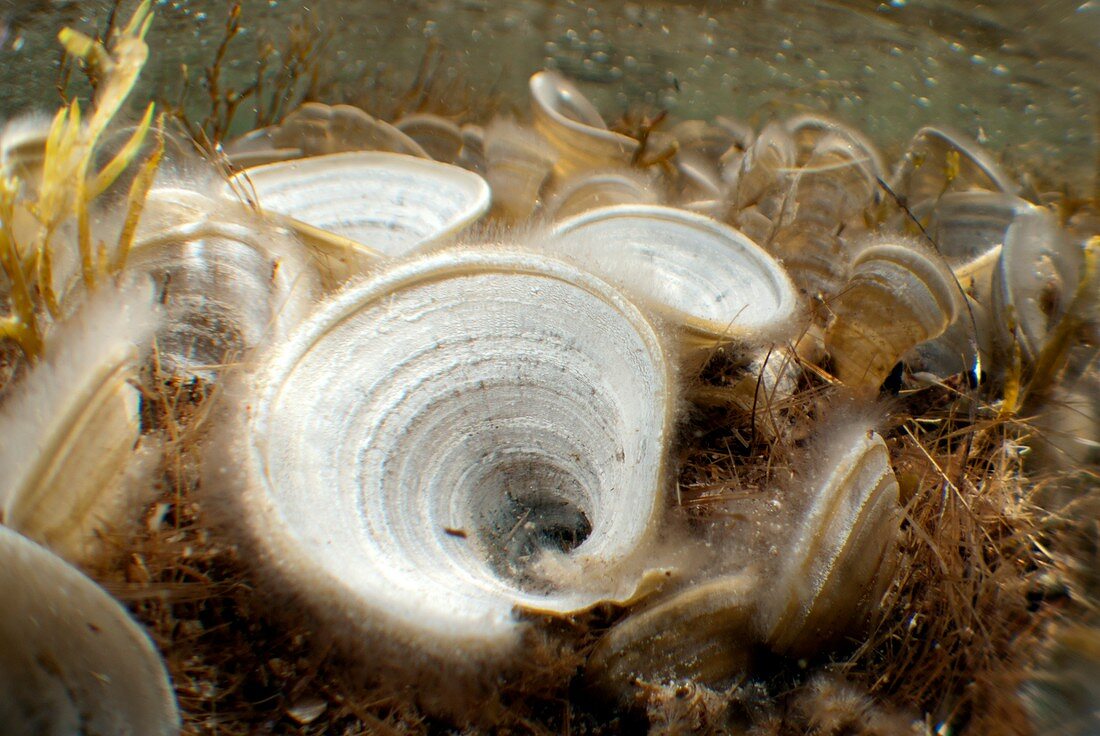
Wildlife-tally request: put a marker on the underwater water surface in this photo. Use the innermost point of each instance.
(1017, 76)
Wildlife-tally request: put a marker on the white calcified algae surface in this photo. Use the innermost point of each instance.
(487, 431)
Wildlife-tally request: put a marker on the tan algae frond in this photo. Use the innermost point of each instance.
(70, 182)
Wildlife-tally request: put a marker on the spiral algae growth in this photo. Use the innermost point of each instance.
(478, 489)
(385, 204)
(523, 471)
(709, 279)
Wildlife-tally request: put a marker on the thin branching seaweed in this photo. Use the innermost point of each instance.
(285, 78)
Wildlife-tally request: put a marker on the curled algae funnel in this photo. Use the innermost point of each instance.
(524, 470)
(549, 367)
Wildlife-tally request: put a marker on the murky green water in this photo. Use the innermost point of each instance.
(1019, 76)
